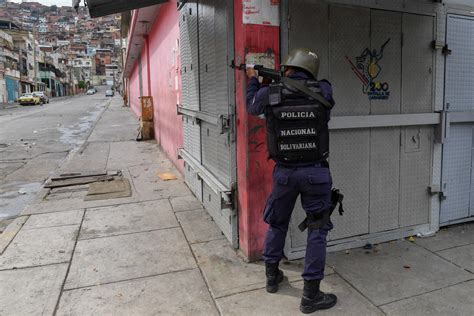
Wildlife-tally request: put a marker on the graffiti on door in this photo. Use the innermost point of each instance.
(367, 69)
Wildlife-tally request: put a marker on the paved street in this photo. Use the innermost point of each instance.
(158, 252)
(35, 140)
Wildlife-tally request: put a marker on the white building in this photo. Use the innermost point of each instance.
(43, 28)
(85, 66)
(61, 43)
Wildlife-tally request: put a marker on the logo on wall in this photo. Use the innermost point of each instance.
(367, 69)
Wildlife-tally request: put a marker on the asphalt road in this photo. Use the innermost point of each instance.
(36, 140)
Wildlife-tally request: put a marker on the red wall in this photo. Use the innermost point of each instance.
(165, 79)
(160, 72)
(254, 170)
(145, 73)
(135, 91)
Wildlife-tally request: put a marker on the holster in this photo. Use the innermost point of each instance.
(317, 221)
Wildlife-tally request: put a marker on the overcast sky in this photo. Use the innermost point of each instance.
(51, 2)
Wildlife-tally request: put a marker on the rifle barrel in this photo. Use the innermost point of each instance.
(262, 71)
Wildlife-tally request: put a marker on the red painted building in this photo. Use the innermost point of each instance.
(154, 69)
(103, 57)
(386, 151)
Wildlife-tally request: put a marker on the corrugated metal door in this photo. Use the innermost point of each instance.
(190, 92)
(457, 187)
(208, 109)
(384, 172)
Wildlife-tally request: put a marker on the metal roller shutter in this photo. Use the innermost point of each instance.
(208, 110)
(458, 191)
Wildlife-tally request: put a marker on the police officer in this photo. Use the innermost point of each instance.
(298, 141)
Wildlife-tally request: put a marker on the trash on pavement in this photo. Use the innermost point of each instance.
(368, 247)
(166, 176)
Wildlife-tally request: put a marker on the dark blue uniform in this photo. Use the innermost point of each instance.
(312, 181)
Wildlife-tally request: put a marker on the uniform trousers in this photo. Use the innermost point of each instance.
(313, 183)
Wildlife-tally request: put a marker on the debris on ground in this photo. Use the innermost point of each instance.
(22, 191)
(100, 185)
(407, 267)
(411, 239)
(80, 178)
(76, 181)
(166, 176)
(368, 246)
(119, 188)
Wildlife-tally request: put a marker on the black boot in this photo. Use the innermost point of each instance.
(274, 276)
(313, 299)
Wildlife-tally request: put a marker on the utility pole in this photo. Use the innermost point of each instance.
(34, 58)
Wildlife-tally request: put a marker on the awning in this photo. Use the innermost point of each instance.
(99, 8)
(142, 22)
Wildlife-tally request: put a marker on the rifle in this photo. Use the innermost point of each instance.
(266, 73)
(276, 76)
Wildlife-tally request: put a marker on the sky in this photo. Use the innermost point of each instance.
(51, 2)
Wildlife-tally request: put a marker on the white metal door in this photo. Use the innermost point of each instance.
(208, 108)
(380, 152)
(458, 191)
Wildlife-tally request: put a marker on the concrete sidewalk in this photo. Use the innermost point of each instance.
(158, 252)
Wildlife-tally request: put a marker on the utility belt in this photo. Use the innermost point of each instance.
(321, 164)
(317, 221)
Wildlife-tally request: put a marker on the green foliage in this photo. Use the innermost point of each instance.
(82, 85)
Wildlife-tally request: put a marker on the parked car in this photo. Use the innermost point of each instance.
(90, 91)
(29, 98)
(109, 93)
(44, 98)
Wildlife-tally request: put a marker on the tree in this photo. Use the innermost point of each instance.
(82, 85)
(53, 8)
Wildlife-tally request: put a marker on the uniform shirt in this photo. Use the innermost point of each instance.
(257, 95)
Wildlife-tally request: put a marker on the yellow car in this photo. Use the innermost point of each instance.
(29, 98)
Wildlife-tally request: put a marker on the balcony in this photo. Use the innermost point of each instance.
(12, 73)
(10, 54)
(25, 78)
